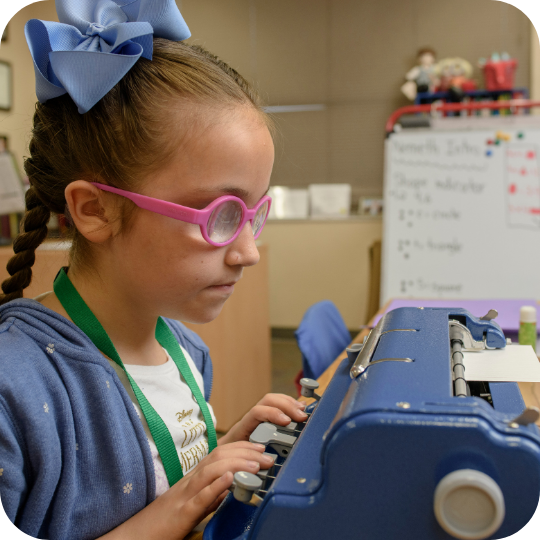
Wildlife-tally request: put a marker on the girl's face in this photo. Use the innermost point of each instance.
(166, 266)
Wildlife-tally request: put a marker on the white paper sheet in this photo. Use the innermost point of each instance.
(11, 188)
(514, 363)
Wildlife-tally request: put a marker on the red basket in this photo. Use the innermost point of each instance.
(500, 75)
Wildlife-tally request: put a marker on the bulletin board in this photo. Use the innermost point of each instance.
(462, 212)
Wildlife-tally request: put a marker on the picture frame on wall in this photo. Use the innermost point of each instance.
(5, 86)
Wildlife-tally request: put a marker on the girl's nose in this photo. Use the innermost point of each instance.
(243, 251)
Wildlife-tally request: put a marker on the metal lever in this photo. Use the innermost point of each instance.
(490, 315)
(363, 359)
(529, 416)
(460, 332)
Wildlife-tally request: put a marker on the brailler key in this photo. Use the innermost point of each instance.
(308, 388)
(267, 434)
(245, 486)
(263, 473)
(289, 428)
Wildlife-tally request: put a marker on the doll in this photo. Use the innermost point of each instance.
(423, 77)
(455, 78)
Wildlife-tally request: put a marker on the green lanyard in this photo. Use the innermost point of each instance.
(81, 315)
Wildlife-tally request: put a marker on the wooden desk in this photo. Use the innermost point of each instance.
(239, 339)
(529, 391)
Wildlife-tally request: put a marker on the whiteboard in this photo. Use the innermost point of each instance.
(462, 216)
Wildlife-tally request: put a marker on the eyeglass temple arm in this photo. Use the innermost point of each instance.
(165, 208)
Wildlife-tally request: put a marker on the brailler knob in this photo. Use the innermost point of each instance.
(246, 484)
(469, 504)
(308, 388)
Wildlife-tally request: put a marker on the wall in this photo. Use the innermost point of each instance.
(350, 55)
(535, 67)
(17, 123)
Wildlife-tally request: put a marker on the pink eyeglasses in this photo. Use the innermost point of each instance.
(220, 222)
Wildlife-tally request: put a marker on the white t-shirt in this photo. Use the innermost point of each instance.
(169, 394)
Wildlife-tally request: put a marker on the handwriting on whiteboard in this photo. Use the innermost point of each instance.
(460, 146)
(448, 247)
(522, 186)
(428, 287)
(427, 180)
(441, 166)
(461, 210)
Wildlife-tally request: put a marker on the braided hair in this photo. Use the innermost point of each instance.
(122, 139)
(34, 231)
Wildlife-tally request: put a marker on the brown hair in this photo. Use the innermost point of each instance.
(426, 50)
(119, 141)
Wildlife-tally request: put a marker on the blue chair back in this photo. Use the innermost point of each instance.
(321, 337)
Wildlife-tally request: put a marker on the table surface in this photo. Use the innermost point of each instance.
(530, 391)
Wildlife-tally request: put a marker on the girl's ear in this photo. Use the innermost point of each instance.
(90, 212)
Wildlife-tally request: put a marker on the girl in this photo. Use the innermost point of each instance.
(102, 390)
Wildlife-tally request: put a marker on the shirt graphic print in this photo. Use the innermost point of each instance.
(169, 394)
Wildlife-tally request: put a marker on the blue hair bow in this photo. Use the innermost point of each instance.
(96, 43)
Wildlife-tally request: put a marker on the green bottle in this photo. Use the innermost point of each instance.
(527, 326)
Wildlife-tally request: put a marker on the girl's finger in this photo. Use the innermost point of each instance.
(274, 415)
(230, 451)
(274, 408)
(282, 400)
(289, 406)
(260, 413)
(237, 448)
(198, 507)
(206, 497)
(238, 445)
(223, 451)
(244, 451)
(270, 399)
(211, 472)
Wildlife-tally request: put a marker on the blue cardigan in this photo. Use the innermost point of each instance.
(74, 458)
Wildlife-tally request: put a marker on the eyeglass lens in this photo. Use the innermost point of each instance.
(226, 218)
(259, 217)
(224, 222)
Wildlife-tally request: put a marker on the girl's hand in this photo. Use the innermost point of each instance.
(277, 409)
(175, 513)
